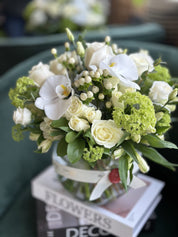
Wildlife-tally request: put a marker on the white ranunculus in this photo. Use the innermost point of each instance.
(22, 116)
(76, 108)
(91, 114)
(159, 92)
(122, 67)
(40, 73)
(143, 61)
(96, 52)
(78, 124)
(57, 68)
(106, 133)
(55, 96)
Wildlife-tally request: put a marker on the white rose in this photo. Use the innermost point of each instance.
(106, 133)
(159, 92)
(22, 116)
(40, 73)
(76, 108)
(78, 124)
(91, 114)
(57, 68)
(96, 52)
(143, 62)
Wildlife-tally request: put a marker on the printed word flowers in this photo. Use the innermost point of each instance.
(102, 106)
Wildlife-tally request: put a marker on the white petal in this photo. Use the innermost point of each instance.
(48, 90)
(125, 67)
(57, 109)
(40, 103)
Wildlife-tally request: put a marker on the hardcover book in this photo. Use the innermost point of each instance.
(123, 217)
(54, 222)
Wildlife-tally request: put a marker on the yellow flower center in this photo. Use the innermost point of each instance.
(66, 91)
(112, 64)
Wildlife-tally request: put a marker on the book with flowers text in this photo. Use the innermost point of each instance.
(123, 217)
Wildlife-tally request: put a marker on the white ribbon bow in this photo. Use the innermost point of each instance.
(91, 176)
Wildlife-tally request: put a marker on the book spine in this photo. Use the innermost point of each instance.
(78, 209)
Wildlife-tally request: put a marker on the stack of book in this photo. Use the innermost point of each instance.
(60, 214)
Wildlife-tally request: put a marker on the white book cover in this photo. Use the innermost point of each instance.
(123, 217)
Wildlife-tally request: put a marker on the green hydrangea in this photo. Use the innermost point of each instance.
(22, 91)
(163, 124)
(160, 74)
(136, 114)
(93, 154)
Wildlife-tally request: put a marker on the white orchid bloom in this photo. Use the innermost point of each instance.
(122, 67)
(54, 95)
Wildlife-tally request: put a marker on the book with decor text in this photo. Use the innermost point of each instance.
(123, 217)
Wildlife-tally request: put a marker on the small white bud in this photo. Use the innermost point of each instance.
(107, 39)
(95, 89)
(89, 94)
(88, 79)
(83, 96)
(97, 75)
(70, 35)
(54, 51)
(105, 72)
(85, 73)
(67, 45)
(92, 73)
(173, 94)
(142, 164)
(118, 153)
(101, 96)
(108, 85)
(71, 60)
(114, 47)
(80, 49)
(82, 81)
(108, 104)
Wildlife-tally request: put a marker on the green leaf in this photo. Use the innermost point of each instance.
(75, 150)
(130, 150)
(62, 122)
(154, 155)
(62, 147)
(88, 134)
(155, 141)
(71, 136)
(57, 133)
(123, 170)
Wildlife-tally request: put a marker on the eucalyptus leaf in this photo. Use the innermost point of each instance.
(154, 155)
(123, 170)
(62, 147)
(155, 141)
(130, 150)
(75, 150)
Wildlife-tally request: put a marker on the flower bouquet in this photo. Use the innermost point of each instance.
(105, 110)
(53, 16)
